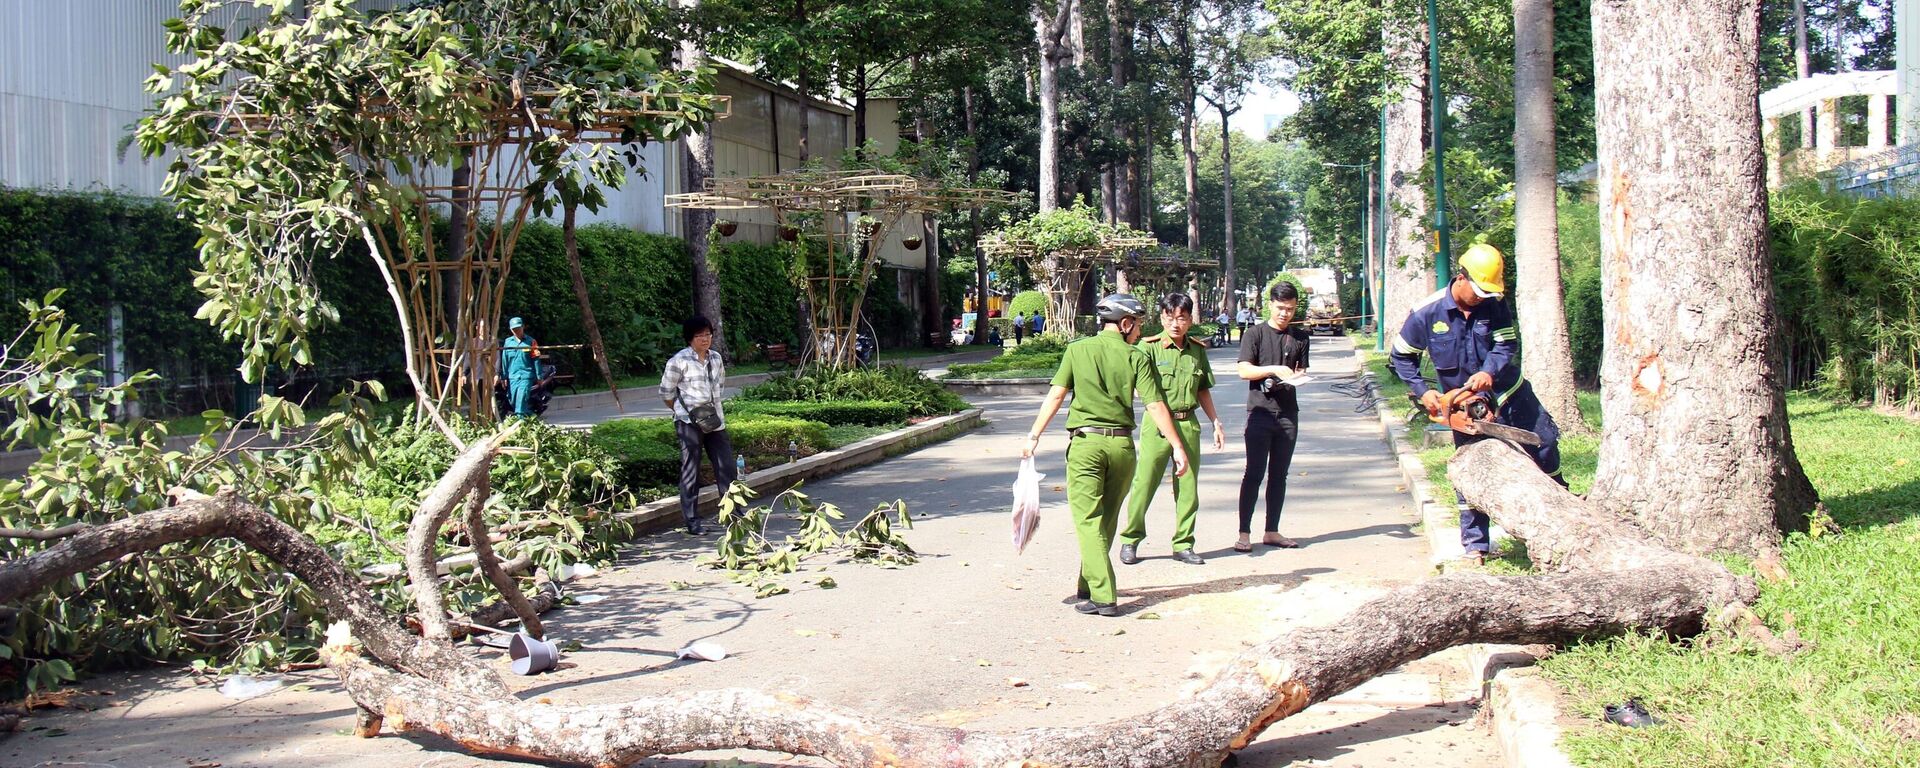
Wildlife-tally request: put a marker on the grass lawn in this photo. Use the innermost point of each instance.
(1851, 699)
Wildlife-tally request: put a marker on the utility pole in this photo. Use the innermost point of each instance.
(1380, 234)
(1443, 240)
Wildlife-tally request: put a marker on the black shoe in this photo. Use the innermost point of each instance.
(1187, 556)
(1103, 609)
(1630, 714)
(1127, 555)
(1081, 593)
(695, 528)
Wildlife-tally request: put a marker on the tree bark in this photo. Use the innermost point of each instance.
(1695, 438)
(489, 563)
(1409, 257)
(697, 223)
(1548, 359)
(1189, 109)
(1050, 34)
(1124, 177)
(570, 236)
(973, 213)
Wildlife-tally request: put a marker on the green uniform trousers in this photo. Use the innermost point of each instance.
(1099, 468)
(1155, 453)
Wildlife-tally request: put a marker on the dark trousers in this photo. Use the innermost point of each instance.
(1019, 334)
(1522, 410)
(718, 449)
(1270, 440)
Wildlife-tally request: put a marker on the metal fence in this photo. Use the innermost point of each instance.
(1895, 172)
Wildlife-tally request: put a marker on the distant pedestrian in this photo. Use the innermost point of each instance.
(691, 386)
(1039, 323)
(1270, 352)
(1019, 328)
(1223, 326)
(519, 367)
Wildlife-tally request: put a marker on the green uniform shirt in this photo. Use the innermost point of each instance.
(1104, 373)
(1183, 372)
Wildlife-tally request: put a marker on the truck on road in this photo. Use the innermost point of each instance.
(1322, 299)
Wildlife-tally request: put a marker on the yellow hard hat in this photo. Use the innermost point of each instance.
(1486, 270)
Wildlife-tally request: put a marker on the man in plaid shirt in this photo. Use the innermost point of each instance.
(693, 378)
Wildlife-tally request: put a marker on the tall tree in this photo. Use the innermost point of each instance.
(1536, 253)
(1803, 66)
(1234, 53)
(697, 223)
(1409, 258)
(1695, 441)
(1050, 28)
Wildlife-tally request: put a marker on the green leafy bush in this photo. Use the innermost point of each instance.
(761, 435)
(1580, 281)
(872, 413)
(892, 383)
(1029, 303)
(1845, 274)
(647, 450)
(1040, 357)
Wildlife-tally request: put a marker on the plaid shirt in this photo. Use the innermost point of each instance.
(688, 382)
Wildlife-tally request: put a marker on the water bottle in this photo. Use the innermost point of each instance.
(793, 451)
(739, 466)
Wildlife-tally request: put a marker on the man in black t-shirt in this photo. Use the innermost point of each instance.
(1269, 352)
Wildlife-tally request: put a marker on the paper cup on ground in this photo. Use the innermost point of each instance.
(704, 650)
(531, 655)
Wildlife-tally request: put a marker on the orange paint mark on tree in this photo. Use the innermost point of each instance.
(1649, 380)
(1617, 262)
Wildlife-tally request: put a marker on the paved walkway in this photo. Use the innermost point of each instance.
(941, 641)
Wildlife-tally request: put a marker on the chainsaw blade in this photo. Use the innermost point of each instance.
(1504, 432)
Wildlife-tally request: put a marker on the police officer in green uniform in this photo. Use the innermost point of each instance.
(1103, 373)
(519, 366)
(1187, 379)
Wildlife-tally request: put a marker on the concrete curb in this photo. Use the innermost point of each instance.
(665, 513)
(1523, 709)
(1443, 541)
(992, 387)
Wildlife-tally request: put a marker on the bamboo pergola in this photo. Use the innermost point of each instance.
(1064, 271)
(452, 296)
(846, 213)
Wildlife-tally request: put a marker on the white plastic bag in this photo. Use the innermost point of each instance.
(1026, 504)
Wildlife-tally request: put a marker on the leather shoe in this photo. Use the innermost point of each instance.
(1128, 556)
(1102, 609)
(695, 528)
(1187, 556)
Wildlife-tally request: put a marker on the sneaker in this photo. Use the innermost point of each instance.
(1129, 555)
(694, 528)
(1101, 609)
(1189, 557)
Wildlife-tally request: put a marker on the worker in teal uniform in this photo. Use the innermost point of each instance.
(519, 367)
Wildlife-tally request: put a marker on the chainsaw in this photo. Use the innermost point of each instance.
(1471, 413)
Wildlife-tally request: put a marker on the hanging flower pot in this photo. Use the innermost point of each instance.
(726, 227)
(912, 243)
(790, 234)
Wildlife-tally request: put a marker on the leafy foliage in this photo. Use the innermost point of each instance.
(747, 552)
(758, 296)
(892, 383)
(1040, 357)
(1028, 303)
(871, 413)
(302, 133)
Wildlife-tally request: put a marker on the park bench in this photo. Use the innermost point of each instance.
(776, 355)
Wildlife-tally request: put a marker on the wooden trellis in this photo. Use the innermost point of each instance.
(847, 213)
(1064, 271)
(453, 298)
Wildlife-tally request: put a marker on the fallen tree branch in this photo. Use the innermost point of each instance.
(43, 534)
(423, 534)
(489, 563)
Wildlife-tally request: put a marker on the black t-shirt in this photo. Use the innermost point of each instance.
(1262, 345)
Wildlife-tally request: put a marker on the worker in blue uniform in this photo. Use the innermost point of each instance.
(519, 367)
(1468, 330)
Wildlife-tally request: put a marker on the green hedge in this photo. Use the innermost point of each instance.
(1042, 354)
(871, 413)
(893, 383)
(1029, 303)
(649, 453)
(639, 284)
(1847, 279)
(756, 296)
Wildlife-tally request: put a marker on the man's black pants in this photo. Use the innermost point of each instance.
(718, 449)
(1270, 440)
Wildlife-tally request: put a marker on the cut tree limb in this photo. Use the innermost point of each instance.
(489, 563)
(423, 534)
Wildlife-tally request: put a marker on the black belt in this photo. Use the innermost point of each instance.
(1108, 431)
(1182, 415)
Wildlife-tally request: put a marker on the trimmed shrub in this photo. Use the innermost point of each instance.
(871, 413)
(758, 298)
(892, 383)
(1028, 302)
(647, 450)
(771, 434)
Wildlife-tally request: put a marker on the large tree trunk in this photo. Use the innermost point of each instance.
(1538, 296)
(1695, 438)
(1409, 257)
(570, 236)
(697, 223)
(1124, 177)
(1606, 578)
(1049, 33)
(973, 213)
